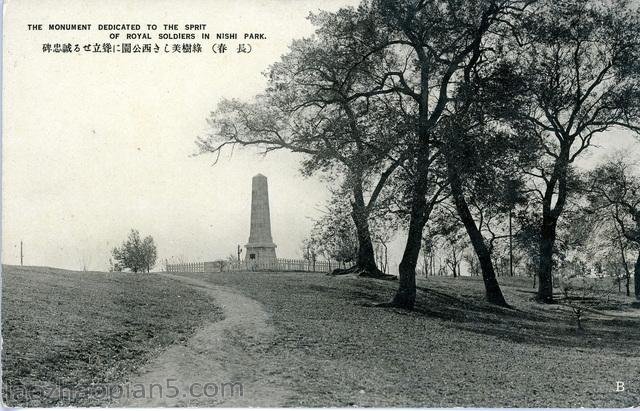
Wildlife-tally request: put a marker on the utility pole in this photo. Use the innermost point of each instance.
(21, 254)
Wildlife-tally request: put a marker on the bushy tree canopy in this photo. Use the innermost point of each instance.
(136, 254)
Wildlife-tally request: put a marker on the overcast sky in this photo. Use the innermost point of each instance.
(94, 145)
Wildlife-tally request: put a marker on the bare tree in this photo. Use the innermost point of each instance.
(576, 63)
(615, 187)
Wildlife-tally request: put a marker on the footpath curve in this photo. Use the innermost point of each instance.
(219, 353)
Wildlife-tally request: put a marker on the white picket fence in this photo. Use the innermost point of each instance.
(186, 268)
(280, 264)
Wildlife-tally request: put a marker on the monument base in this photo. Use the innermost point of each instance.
(262, 252)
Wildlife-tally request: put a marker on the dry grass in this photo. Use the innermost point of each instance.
(335, 349)
(332, 347)
(70, 330)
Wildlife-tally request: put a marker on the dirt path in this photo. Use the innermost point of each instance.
(218, 353)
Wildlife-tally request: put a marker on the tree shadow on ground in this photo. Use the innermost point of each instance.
(531, 323)
(527, 322)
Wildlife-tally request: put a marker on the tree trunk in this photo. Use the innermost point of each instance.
(366, 261)
(406, 295)
(510, 242)
(619, 283)
(366, 257)
(431, 264)
(386, 258)
(556, 188)
(493, 293)
(547, 241)
(625, 265)
(636, 278)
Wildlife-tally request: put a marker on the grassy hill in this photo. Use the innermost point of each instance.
(66, 330)
(331, 346)
(334, 349)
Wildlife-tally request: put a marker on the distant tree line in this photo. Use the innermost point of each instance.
(458, 124)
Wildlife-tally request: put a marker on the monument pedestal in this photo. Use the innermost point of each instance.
(261, 251)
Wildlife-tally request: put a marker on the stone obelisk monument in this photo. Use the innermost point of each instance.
(260, 246)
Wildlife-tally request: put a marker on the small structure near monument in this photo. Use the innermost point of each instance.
(260, 248)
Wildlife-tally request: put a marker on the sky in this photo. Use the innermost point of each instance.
(95, 145)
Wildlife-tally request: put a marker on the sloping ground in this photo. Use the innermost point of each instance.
(214, 367)
(66, 333)
(332, 348)
(307, 339)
